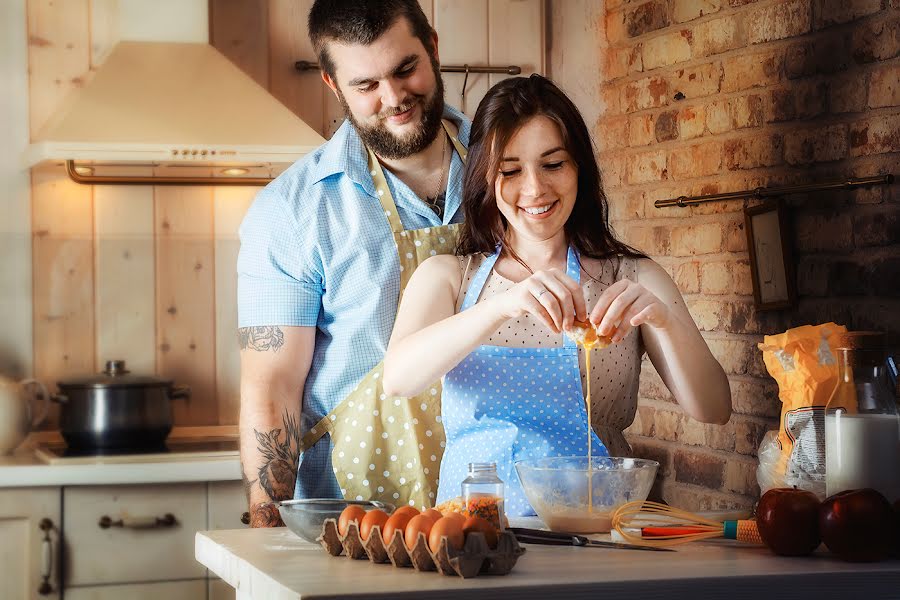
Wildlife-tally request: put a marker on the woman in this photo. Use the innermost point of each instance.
(536, 253)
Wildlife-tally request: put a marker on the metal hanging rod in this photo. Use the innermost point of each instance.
(77, 177)
(766, 192)
(307, 65)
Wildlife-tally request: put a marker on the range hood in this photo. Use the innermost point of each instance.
(177, 113)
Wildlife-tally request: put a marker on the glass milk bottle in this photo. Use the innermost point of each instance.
(483, 492)
(862, 428)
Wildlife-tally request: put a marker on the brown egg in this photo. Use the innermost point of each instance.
(397, 522)
(420, 523)
(406, 510)
(354, 512)
(449, 527)
(473, 524)
(373, 517)
(433, 514)
(455, 515)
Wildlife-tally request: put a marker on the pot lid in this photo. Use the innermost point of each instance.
(115, 375)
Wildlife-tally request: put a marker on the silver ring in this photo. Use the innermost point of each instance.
(542, 292)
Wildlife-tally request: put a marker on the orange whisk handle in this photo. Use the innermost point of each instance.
(743, 531)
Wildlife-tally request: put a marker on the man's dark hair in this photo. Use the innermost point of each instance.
(362, 22)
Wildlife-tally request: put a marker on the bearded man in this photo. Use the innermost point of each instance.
(326, 250)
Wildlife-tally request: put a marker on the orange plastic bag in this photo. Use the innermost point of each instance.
(803, 361)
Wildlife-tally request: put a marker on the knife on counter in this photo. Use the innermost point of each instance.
(553, 538)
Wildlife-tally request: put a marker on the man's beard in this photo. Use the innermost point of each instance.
(387, 144)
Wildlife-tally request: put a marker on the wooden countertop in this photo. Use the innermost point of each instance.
(274, 563)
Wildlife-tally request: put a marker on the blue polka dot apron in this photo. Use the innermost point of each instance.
(503, 404)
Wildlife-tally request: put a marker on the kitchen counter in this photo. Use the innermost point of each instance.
(26, 469)
(276, 564)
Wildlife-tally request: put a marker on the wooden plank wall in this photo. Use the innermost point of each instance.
(266, 37)
(147, 274)
(15, 207)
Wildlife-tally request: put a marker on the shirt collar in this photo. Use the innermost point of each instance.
(345, 152)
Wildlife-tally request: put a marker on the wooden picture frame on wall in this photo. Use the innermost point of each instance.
(771, 260)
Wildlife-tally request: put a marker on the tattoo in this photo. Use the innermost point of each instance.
(263, 338)
(278, 472)
(265, 514)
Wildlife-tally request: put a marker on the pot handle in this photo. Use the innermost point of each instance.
(40, 414)
(179, 391)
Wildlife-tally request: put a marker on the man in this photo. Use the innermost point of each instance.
(326, 249)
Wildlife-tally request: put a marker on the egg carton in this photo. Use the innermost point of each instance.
(475, 558)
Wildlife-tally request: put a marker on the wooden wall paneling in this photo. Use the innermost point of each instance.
(185, 298)
(516, 36)
(462, 27)
(63, 276)
(574, 59)
(231, 204)
(288, 43)
(58, 54)
(104, 29)
(124, 297)
(239, 29)
(15, 208)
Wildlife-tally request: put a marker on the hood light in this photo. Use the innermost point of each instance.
(235, 171)
(82, 170)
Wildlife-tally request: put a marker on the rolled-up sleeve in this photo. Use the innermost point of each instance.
(279, 271)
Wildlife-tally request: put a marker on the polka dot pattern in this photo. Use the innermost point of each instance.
(509, 403)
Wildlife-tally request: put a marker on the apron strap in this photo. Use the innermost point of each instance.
(384, 191)
(573, 270)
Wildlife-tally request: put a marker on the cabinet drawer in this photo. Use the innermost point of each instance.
(227, 502)
(174, 590)
(123, 552)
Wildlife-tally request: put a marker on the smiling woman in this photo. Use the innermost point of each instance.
(535, 255)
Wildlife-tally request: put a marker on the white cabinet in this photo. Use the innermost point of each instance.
(118, 541)
(173, 590)
(29, 543)
(133, 533)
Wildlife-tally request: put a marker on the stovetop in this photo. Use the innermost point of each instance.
(172, 450)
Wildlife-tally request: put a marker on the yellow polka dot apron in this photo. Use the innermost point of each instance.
(390, 448)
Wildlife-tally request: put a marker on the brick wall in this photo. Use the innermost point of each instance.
(706, 96)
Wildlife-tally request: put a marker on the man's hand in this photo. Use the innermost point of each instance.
(265, 514)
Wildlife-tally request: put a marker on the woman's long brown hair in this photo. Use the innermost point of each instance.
(505, 108)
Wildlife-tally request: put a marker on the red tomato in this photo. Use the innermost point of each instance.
(354, 512)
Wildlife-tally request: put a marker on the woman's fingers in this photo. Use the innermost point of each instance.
(613, 316)
(542, 304)
(628, 321)
(566, 292)
(606, 298)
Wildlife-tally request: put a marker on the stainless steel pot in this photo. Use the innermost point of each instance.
(115, 409)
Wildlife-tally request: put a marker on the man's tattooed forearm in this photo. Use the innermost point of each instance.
(278, 471)
(267, 337)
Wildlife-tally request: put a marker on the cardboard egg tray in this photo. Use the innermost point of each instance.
(476, 558)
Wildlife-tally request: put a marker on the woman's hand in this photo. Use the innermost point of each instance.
(551, 296)
(626, 304)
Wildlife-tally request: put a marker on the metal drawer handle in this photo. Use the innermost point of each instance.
(166, 521)
(45, 589)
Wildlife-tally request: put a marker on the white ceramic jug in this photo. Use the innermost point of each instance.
(17, 412)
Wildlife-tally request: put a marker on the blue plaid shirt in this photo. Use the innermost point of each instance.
(317, 251)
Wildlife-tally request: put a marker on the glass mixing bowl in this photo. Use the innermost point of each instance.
(569, 494)
(305, 516)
